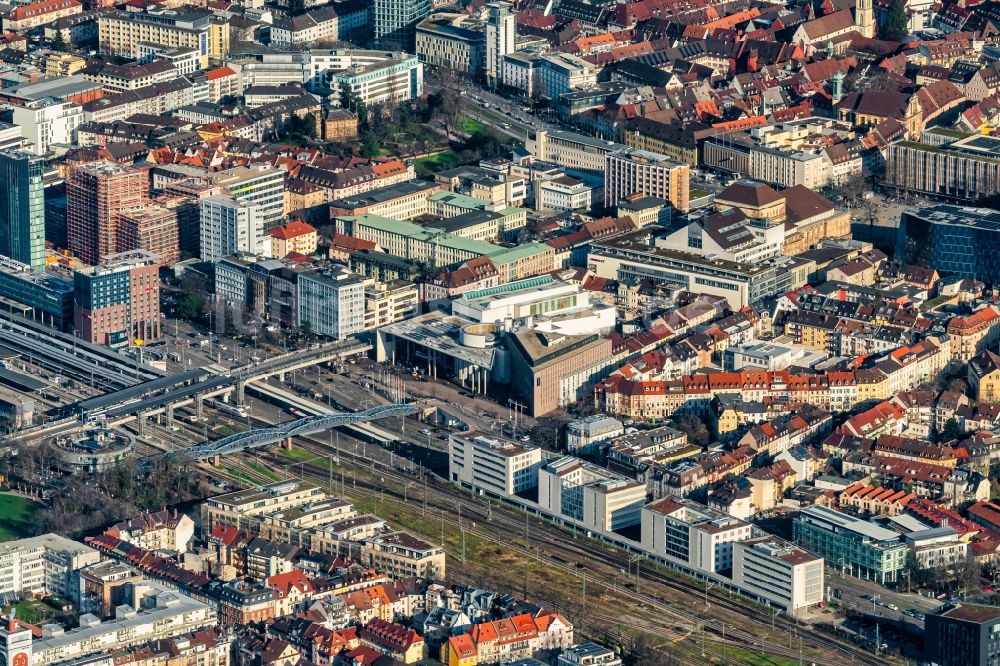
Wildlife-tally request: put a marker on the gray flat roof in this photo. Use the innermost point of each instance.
(140, 390)
(439, 332)
(20, 381)
(822, 514)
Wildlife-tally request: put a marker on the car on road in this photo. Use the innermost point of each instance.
(892, 607)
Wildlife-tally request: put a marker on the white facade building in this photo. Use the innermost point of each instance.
(229, 227)
(42, 564)
(560, 73)
(261, 186)
(564, 194)
(521, 71)
(779, 573)
(491, 464)
(47, 122)
(692, 534)
(332, 302)
(500, 39)
(154, 612)
(596, 498)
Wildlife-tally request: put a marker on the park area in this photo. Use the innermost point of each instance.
(17, 517)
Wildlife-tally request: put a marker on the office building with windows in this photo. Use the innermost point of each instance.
(692, 534)
(855, 546)
(634, 257)
(229, 226)
(260, 186)
(22, 208)
(45, 296)
(118, 302)
(778, 573)
(963, 635)
(962, 171)
(453, 40)
(396, 20)
(332, 302)
(493, 464)
(953, 239)
(630, 172)
(598, 499)
(500, 39)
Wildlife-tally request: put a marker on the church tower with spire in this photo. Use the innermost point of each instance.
(864, 17)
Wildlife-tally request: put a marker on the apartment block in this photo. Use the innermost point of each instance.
(402, 555)
(153, 612)
(244, 509)
(121, 33)
(43, 565)
(389, 302)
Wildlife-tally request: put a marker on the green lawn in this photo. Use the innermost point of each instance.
(297, 454)
(226, 431)
(470, 125)
(17, 517)
(446, 159)
(935, 302)
(263, 471)
(32, 611)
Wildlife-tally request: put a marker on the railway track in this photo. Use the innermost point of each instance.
(596, 563)
(595, 558)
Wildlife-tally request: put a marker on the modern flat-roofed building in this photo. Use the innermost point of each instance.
(572, 150)
(44, 297)
(561, 73)
(596, 498)
(632, 257)
(22, 208)
(962, 636)
(493, 464)
(118, 302)
(243, 509)
(779, 573)
(402, 201)
(851, 544)
(43, 565)
(953, 239)
(332, 302)
(692, 534)
(961, 171)
(632, 172)
(402, 555)
(374, 77)
(454, 41)
(121, 33)
(154, 612)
